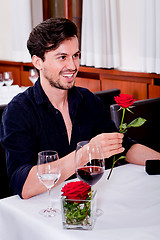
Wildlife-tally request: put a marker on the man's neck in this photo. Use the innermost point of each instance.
(57, 97)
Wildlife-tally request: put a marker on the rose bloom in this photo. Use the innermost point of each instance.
(124, 100)
(76, 190)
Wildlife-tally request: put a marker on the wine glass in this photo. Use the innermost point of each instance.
(1, 80)
(89, 162)
(48, 172)
(33, 75)
(7, 78)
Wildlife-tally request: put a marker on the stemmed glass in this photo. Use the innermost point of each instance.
(1, 80)
(89, 162)
(7, 78)
(33, 75)
(48, 172)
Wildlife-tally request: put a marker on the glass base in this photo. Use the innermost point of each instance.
(78, 226)
(99, 212)
(49, 212)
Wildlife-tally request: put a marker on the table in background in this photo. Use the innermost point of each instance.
(8, 92)
(130, 201)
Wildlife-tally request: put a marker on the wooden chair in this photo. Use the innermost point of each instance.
(5, 191)
(107, 96)
(149, 133)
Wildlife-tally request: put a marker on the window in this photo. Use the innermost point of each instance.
(71, 9)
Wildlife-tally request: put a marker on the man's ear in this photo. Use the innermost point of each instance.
(37, 62)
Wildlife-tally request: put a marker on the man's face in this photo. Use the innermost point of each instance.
(60, 66)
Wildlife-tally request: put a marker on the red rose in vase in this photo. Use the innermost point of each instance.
(76, 190)
(77, 205)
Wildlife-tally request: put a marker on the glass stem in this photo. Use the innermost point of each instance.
(49, 192)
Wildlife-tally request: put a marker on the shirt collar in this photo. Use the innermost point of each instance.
(39, 94)
(74, 95)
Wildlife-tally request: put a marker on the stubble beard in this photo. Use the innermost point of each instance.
(58, 85)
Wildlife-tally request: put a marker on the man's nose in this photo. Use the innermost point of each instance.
(71, 64)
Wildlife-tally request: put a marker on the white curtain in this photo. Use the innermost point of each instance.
(150, 40)
(25, 14)
(100, 40)
(21, 26)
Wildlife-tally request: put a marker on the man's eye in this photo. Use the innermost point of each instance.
(62, 57)
(76, 55)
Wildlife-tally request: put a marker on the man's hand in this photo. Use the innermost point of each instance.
(111, 143)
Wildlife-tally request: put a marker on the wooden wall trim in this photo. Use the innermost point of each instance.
(118, 72)
(137, 84)
(99, 71)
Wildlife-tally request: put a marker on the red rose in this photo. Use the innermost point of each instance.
(76, 190)
(124, 100)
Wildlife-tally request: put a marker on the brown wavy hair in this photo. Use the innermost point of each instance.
(49, 34)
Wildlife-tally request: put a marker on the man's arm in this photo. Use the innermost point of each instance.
(111, 144)
(33, 186)
(138, 154)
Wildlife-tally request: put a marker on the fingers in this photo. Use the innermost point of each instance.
(111, 143)
(110, 152)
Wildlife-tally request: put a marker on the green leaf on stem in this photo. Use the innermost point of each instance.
(123, 128)
(136, 122)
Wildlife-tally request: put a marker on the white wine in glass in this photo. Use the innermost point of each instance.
(48, 172)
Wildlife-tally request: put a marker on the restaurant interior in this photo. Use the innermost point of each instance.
(131, 67)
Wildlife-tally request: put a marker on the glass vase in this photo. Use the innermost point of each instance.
(78, 214)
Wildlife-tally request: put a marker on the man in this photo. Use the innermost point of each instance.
(54, 114)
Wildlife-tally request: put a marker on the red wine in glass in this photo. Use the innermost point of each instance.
(90, 174)
(89, 162)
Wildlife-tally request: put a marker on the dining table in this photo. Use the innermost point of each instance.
(129, 203)
(7, 93)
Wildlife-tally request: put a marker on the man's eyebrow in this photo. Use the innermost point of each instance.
(65, 54)
(60, 54)
(78, 52)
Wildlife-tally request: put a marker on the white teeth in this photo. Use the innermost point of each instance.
(67, 75)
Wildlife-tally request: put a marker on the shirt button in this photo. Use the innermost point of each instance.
(56, 112)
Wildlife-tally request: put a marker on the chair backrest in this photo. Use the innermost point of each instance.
(107, 96)
(149, 133)
(5, 191)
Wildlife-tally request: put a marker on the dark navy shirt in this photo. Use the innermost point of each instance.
(31, 124)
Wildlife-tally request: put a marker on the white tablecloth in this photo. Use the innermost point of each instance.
(8, 92)
(130, 201)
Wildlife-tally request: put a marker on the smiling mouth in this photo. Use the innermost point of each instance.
(69, 74)
(66, 75)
